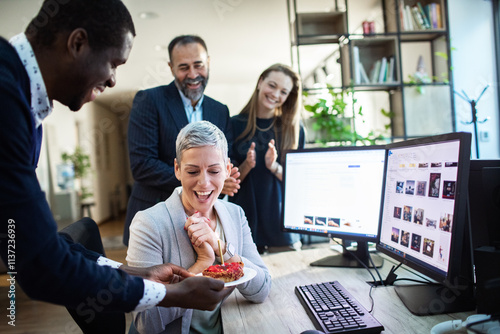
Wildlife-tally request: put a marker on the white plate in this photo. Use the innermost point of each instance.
(248, 274)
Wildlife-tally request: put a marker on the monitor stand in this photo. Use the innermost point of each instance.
(346, 260)
(436, 299)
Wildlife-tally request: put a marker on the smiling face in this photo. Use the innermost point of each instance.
(190, 68)
(93, 72)
(202, 172)
(273, 90)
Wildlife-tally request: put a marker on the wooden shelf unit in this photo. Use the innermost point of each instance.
(427, 49)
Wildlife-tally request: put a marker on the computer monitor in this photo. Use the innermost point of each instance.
(426, 180)
(335, 192)
(484, 202)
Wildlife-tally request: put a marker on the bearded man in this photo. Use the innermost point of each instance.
(157, 116)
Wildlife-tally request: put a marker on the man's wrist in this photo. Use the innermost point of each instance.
(135, 271)
(154, 294)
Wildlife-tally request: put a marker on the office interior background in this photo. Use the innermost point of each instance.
(243, 37)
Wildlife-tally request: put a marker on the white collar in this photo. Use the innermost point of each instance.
(41, 106)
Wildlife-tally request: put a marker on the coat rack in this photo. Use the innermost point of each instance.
(474, 121)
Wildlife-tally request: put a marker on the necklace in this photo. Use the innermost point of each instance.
(266, 129)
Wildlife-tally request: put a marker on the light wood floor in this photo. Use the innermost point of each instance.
(39, 317)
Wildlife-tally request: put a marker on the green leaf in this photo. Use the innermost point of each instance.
(329, 115)
(388, 114)
(309, 108)
(443, 55)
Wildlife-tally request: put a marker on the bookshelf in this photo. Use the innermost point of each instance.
(373, 61)
(388, 55)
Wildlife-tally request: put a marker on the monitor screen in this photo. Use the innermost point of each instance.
(424, 216)
(419, 203)
(334, 192)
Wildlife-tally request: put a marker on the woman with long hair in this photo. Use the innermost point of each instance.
(267, 126)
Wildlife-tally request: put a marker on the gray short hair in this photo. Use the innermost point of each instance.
(198, 134)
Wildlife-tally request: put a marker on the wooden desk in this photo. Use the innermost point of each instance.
(282, 311)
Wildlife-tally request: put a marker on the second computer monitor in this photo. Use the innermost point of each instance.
(424, 220)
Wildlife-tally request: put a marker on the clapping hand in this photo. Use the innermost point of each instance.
(251, 156)
(271, 156)
(232, 183)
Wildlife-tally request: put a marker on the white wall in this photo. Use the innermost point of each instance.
(60, 136)
(473, 61)
(106, 141)
(243, 38)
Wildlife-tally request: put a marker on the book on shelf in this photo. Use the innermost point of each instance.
(360, 75)
(356, 65)
(433, 11)
(439, 17)
(417, 20)
(386, 74)
(408, 19)
(390, 70)
(402, 15)
(424, 15)
(375, 71)
(382, 72)
(419, 17)
(364, 76)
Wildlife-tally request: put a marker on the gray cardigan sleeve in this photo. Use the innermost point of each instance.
(146, 248)
(258, 288)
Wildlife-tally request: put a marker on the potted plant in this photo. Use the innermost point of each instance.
(331, 122)
(81, 167)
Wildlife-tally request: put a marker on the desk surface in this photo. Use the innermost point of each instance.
(282, 311)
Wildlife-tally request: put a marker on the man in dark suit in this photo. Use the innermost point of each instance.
(69, 53)
(157, 116)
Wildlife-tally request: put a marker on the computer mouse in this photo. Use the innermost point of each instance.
(312, 331)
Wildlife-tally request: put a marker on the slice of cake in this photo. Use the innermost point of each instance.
(228, 272)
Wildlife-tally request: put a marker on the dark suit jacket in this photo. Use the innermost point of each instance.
(47, 266)
(156, 118)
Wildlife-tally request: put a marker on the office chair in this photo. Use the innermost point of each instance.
(86, 233)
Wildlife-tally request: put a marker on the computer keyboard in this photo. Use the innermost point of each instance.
(333, 310)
